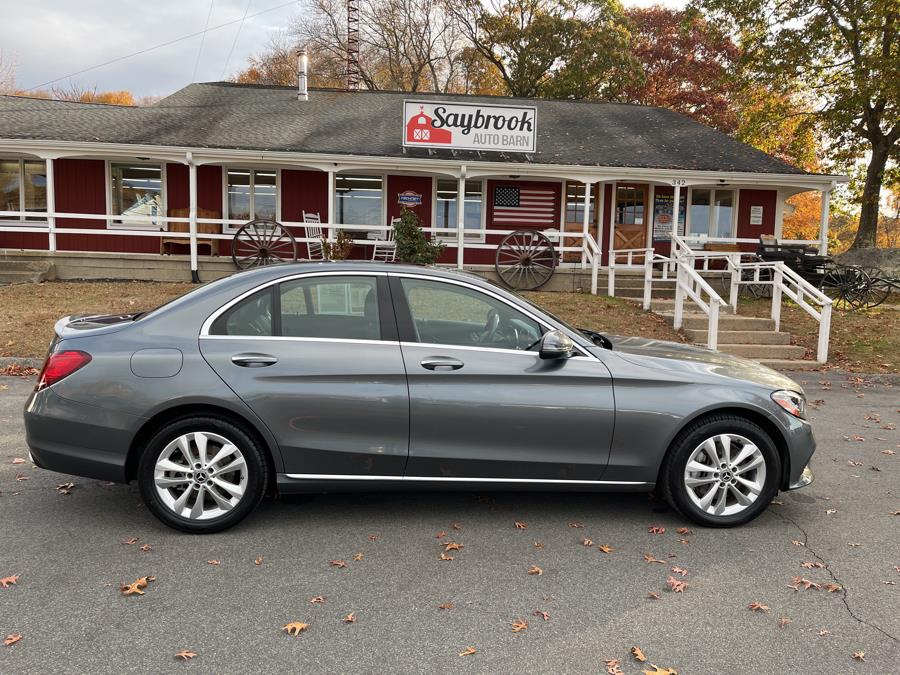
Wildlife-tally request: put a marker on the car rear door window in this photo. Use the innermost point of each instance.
(330, 307)
(449, 314)
(251, 317)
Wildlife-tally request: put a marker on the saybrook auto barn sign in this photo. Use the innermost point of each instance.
(468, 126)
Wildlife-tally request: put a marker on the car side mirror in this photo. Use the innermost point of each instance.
(556, 345)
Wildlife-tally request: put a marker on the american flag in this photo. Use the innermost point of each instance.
(526, 206)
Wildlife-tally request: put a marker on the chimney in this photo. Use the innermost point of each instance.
(303, 61)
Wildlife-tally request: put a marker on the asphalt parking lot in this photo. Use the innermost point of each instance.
(69, 555)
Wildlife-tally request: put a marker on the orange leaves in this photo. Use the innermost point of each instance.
(440, 535)
(136, 588)
(446, 605)
(468, 651)
(318, 600)
(340, 564)
(756, 606)
(540, 545)
(783, 621)
(679, 570)
(605, 548)
(676, 585)
(808, 565)
(215, 563)
(801, 582)
(541, 613)
(574, 524)
(535, 571)
(17, 460)
(130, 541)
(185, 655)
(295, 627)
(145, 548)
(521, 525)
(832, 588)
(638, 654)
(650, 559)
(612, 667)
(683, 531)
(6, 582)
(258, 561)
(350, 618)
(519, 625)
(453, 546)
(653, 596)
(587, 542)
(446, 557)
(659, 671)
(656, 530)
(12, 639)
(358, 557)
(859, 655)
(65, 488)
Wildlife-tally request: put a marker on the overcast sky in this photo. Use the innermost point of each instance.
(50, 39)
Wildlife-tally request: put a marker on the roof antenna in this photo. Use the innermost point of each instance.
(353, 45)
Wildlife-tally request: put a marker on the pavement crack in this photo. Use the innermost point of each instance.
(834, 577)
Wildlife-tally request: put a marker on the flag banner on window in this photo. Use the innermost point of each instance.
(526, 206)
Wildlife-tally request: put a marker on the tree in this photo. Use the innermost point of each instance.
(686, 63)
(846, 54)
(551, 48)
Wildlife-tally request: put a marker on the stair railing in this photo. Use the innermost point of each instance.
(689, 283)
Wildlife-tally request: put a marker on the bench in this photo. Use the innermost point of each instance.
(166, 243)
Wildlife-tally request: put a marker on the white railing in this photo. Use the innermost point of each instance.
(592, 255)
(786, 282)
(629, 255)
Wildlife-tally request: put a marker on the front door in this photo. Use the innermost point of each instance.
(317, 359)
(630, 226)
(483, 404)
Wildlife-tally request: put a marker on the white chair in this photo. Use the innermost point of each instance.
(313, 230)
(385, 249)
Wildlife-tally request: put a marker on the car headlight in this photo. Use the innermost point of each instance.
(792, 401)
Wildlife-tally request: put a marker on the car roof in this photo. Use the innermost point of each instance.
(277, 271)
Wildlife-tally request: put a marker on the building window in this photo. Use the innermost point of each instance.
(575, 204)
(445, 208)
(136, 190)
(630, 204)
(251, 194)
(712, 212)
(23, 187)
(359, 199)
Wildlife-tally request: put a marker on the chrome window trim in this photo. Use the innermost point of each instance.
(442, 479)
(288, 338)
(522, 310)
(204, 329)
(498, 350)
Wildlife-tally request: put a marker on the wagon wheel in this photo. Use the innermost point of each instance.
(846, 285)
(525, 260)
(750, 290)
(262, 242)
(879, 287)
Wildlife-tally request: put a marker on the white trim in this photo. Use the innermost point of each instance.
(226, 215)
(444, 479)
(713, 218)
(111, 217)
(471, 235)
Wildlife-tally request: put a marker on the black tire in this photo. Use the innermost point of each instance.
(672, 483)
(257, 473)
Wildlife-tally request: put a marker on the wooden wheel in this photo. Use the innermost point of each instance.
(262, 242)
(878, 289)
(846, 285)
(525, 260)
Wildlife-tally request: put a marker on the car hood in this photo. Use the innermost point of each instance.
(690, 359)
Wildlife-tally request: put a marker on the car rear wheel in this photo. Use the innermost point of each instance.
(721, 471)
(202, 474)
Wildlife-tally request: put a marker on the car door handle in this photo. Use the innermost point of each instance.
(441, 363)
(253, 360)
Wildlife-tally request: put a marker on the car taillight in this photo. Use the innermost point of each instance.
(60, 365)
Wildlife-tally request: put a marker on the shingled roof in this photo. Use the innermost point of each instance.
(268, 118)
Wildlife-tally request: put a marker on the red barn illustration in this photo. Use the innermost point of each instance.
(419, 129)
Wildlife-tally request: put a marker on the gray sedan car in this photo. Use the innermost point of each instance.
(316, 377)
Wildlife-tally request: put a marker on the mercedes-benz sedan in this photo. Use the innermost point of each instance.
(315, 377)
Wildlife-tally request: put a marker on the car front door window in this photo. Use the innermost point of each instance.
(449, 314)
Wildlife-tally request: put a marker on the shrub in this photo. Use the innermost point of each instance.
(412, 244)
(340, 248)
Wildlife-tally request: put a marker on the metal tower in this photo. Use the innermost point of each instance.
(352, 45)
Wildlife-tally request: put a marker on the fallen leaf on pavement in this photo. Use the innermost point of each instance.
(605, 548)
(318, 600)
(213, 562)
(575, 525)
(185, 654)
(807, 584)
(859, 655)
(295, 627)
(519, 625)
(20, 477)
(757, 607)
(650, 559)
(534, 570)
(808, 565)
(612, 667)
(440, 535)
(638, 654)
(6, 581)
(65, 488)
(130, 541)
(373, 537)
(832, 588)
(657, 530)
(828, 512)
(683, 530)
(675, 585)
(358, 557)
(446, 605)
(823, 632)
(541, 613)
(796, 542)
(337, 563)
(146, 548)
(468, 651)
(258, 561)
(456, 526)
(783, 621)
(444, 556)
(653, 596)
(453, 546)
(12, 639)
(659, 671)
(520, 525)
(137, 588)
(679, 570)
(17, 460)
(587, 542)
(538, 544)
(350, 618)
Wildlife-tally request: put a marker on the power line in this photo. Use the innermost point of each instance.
(164, 44)
(202, 40)
(236, 36)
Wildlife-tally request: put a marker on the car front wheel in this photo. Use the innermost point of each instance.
(721, 471)
(202, 475)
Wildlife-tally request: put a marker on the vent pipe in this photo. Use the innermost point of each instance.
(303, 62)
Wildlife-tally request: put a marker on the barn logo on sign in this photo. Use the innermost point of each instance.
(469, 126)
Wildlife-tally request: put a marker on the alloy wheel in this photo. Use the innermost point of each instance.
(725, 474)
(200, 475)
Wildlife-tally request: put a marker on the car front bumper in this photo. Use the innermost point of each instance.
(806, 477)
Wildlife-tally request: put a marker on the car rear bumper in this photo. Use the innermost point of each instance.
(75, 438)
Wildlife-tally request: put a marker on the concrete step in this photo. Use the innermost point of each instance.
(25, 271)
(763, 351)
(638, 293)
(790, 364)
(727, 322)
(740, 337)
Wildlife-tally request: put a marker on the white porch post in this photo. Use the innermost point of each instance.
(51, 207)
(676, 211)
(330, 203)
(611, 258)
(585, 226)
(192, 215)
(461, 218)
(823, 222)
